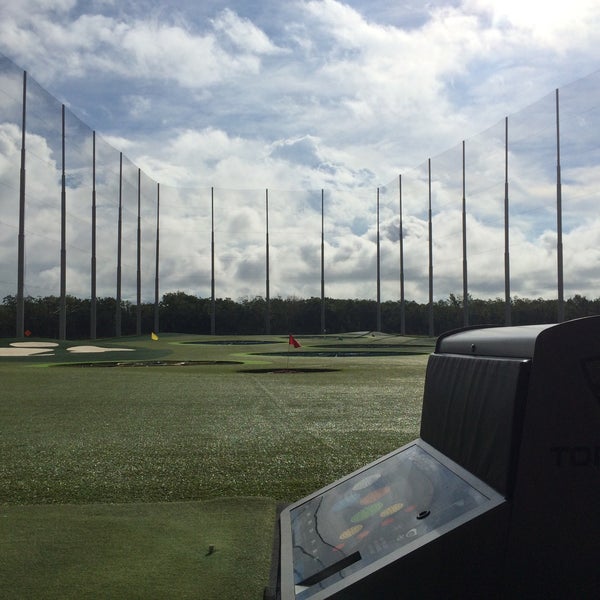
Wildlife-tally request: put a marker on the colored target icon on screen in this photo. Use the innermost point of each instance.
(366, 482)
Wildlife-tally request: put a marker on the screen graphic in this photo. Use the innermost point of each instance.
(373, 513)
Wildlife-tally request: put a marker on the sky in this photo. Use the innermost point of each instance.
(295, 97)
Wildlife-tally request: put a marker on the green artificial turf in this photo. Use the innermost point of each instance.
(149, 551)
(83, 446)
(155, 434)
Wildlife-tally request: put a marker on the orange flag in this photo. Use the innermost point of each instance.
(294, 342)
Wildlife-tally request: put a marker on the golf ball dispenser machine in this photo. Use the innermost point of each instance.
(499, 496)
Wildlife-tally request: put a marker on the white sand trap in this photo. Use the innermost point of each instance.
(25, 352)
(92, 349)
(34, 344)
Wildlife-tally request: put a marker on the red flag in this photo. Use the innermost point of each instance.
(294, 342)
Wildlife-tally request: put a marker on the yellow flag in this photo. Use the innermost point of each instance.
(154, 336)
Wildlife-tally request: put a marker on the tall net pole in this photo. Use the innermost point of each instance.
(213, 303)
(20, 325)
(323, 328)
(507, 301)
(401, 240)
(118, 320)
(267, 267)
(378, 269)
(157, 263)
(138, 308)
(62, 325)
(93, 304)
(464, 242)
(430, 239)
(559, 242)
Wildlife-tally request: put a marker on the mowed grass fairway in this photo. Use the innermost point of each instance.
(114, 480)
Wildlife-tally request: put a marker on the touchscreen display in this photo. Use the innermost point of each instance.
(374, 512)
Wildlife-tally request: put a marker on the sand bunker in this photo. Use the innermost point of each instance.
(34, 344)
(25, 352)
(28, 349)
(96, 349)
(43, 349)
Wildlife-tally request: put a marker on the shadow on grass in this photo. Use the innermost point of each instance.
(230, 342)
(289, 370)
(153, 363)
(343, 352)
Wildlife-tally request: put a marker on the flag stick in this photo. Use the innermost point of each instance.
(291, 342)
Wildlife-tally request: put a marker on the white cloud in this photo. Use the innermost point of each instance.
(243, 33)
(303, 96)
(541, 21)
(141, 48)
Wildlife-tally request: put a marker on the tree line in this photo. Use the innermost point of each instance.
(184, 313)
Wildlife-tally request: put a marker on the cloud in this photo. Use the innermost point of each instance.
(539, 21)
(223, 104)
(140, 48)
(302, 151)
(243, 34)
